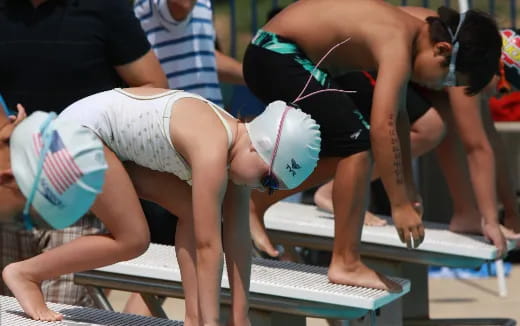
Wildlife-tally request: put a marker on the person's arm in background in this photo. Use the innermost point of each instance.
(505, 184)
(229, 69)
(143, 72)
(128, 49)
(466, 120)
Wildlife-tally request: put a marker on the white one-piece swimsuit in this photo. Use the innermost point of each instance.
(137, 128)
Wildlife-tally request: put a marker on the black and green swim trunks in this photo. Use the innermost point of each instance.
(275, 68)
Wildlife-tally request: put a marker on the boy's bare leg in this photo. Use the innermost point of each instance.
(350, 195)
(425, 134)
(323, 199)
(119, 209)
(346, 267)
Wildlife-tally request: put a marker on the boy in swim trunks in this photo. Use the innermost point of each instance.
(464, 120)
(445, 50)
(148, 143)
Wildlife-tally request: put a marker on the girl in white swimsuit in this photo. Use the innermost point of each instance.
(171, 147)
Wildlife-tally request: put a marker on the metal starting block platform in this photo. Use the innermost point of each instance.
(11, 314)
(293, 224)
(306, 225)
(279, 291)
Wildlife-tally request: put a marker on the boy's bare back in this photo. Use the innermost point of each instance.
(375, 28)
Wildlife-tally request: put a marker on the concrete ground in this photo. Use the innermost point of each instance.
(449, 298)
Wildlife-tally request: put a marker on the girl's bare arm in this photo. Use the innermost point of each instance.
(209, 186)
(237, 246)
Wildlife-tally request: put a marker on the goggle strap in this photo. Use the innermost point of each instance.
(278, 136)
(462, 16)
(4, 106)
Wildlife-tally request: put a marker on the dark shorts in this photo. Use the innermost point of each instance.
(276, 69)
(364, 82)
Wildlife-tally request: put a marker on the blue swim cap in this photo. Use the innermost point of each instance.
(59, 167)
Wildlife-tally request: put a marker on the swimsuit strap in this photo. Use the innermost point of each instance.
(147, 97)
(218, 111)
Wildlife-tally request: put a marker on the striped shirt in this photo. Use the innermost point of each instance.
(186, 49)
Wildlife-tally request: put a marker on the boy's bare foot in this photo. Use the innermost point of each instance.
(28, 293)
(373, 220)
(323, 200)
(512, 222)
(361, 275)
(509, 234)
(467, 223)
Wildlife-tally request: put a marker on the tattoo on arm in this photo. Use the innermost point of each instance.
(396, 150)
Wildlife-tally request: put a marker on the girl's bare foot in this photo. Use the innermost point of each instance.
(360, 275)
(28, 293)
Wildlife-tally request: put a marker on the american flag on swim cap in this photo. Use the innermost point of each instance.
(59, 166)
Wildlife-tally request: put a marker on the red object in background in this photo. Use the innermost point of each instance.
(506, 108)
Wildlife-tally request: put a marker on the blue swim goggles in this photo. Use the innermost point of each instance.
(451, 79)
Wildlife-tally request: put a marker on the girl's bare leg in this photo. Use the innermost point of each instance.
(119, 209)
(175, 196)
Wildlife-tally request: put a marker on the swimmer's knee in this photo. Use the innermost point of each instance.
(136, 246)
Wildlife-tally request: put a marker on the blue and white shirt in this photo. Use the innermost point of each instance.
(185, 49)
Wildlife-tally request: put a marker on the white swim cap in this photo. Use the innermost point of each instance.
(64, 184)
(288, 140)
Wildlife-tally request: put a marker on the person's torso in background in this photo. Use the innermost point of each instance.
(61, 51)
(186, 49)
